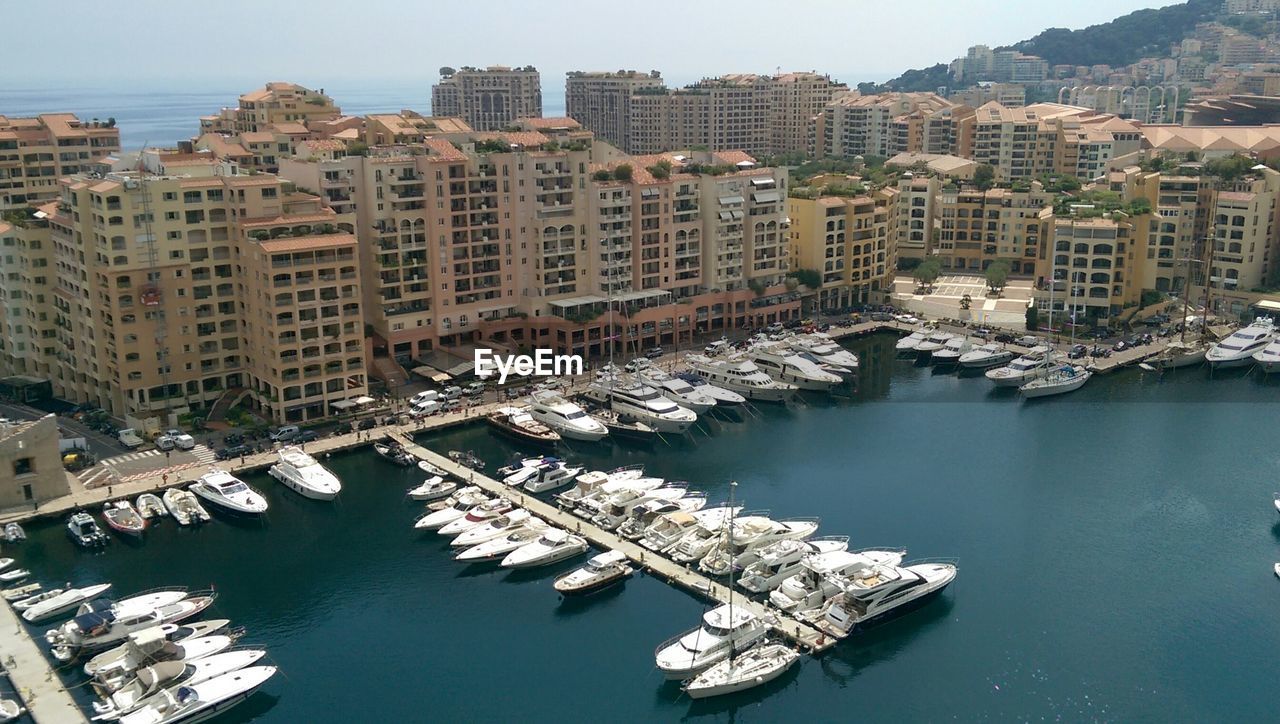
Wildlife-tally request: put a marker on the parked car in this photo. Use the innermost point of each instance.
(165, 443)
(716, 347)
(451, 405)
(1078, 351)
(367, 424)
(424, 396)
(654, 353)
(235, 451)
(129, 438)
(233, 438)
(1005, 338)
(180, 439)
(430, 407)
(473, 389)
(773, 328)
(452, 392)
(1028, 340)
(286, 433)
(636, 365)
(881, 317)
(307, 436)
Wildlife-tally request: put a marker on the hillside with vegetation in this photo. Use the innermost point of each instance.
(1127, 39)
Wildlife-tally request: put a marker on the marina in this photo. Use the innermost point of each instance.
(376, 567)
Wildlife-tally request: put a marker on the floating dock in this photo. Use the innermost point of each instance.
(38, 685)
(801, 633)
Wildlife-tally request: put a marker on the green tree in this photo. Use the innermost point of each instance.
(808, 277)
(601, 175)
(998, 275)
(984, 176)
(927, 273)
(622, 172)
(1033, 318)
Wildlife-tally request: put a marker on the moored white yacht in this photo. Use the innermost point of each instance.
(477, 516)
(553, 546)
(779, 561)
(668, 530)
(547, 474)
(433, 488)
(1058, 381)
(301, 473)
(197, 702)
(1181, 353)
(646, 513)
(724, 628)
(818, 578)
(641, 402)
(599, 572)
(1268, 358)
(593, 502)
(62, 603)
(97, 627)
(151, 680)
(1029, 366)
(497, 548)
(911, 341)
(748, 533)
(826, 350)
(951, 352)
(587, 483)
(784, 365)
(743, 670)
(443, 512)
(498, 527)
(1238, 348)
(725, 398)
(616, 508)
(878, 591)
(565, 417)
(933, 341)
(172, 632)
(677, 390)
(986, 355)
(741, 376)
(229, 493)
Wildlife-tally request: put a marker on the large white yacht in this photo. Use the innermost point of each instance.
(783, 365)
(934, 341)
(643, 403)
(952, 351)
(911, 341)
(301, 473)
(228, 492)
(986, 355)
(1029, 366)
(100, 626)
(443, 512)
(724, 628)
(825, 349)
(643, 515)
(617, 507)
(875, 592)
(779, 561)
(670, 529)
(748, 533)
(741, 376)
(725, 398)
(677, 390)
(1237, 350)
(818, 579)
(198, 702)
(565, 417)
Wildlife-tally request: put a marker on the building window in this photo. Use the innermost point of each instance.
(23, 466)
(27, 493)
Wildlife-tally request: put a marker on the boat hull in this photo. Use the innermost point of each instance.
(303, 490)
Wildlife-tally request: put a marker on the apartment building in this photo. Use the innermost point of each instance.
(1096, 269)
(36, 152)
(601, 101)
(850, 241)
(166, 292)
(488, 99)
(884, 124)
(27, 329)
(31, 463)
(275, 103)
(1011, 95)
(914, 221)
(1175, 232)
(976, 228)
(742, 111)
(1245, 219)
(1046, 138)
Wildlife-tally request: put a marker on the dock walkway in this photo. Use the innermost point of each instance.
(801, 633)
(38, 686)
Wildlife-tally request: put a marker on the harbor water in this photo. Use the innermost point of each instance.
(1115, 549)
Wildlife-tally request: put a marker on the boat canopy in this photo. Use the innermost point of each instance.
(91, 621)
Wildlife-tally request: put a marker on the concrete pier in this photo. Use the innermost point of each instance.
(798, 632)
(38, 685)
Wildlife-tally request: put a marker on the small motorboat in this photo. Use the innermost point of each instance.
(19, 592)
(85, 531)
(554, 546)
(466, 459)
(430, 469)
(13, 533)
(516, 422)
(28, 602)
(185, 507)
(10, 710)
(150, 507)
(754, 667)
(64, 602)
(394, 452)
(5, 563)
(16, 574)
(599, 573)
(123, 518)
(433, 488)
(498, 548)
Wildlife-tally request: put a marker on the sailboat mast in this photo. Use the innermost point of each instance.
(733, 484)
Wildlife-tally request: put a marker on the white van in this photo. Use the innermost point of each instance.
(451, 393)
(421, 397)
(424, 408)
(716, 347)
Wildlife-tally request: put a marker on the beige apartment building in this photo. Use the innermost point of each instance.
(976, 228)
(27, 329)
(275, 103)
(36, 152)
(30, 464)
(166, 292)
(885, 124)
(489, 99)
(1012, 95)
(1096, 263)
(914, 221)
(1245, 221)
(755, 113)
(850, 241)
(601, 101)
(1047, 138)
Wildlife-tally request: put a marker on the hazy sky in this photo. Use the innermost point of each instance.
(319, 42)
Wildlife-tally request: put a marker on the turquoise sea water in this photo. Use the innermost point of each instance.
(1115, 550)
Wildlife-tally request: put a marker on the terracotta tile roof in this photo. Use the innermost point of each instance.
(5, 228)
(257, 137)
(323, 144)
(307, 243)
(733, 157)
(287, 220)
(442, 150)
(290, 128)
(550, 123)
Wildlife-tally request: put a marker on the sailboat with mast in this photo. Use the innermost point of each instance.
(746, 667)
(1183, 352)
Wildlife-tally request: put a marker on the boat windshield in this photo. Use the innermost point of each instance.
(232, 488)
(576, 415)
